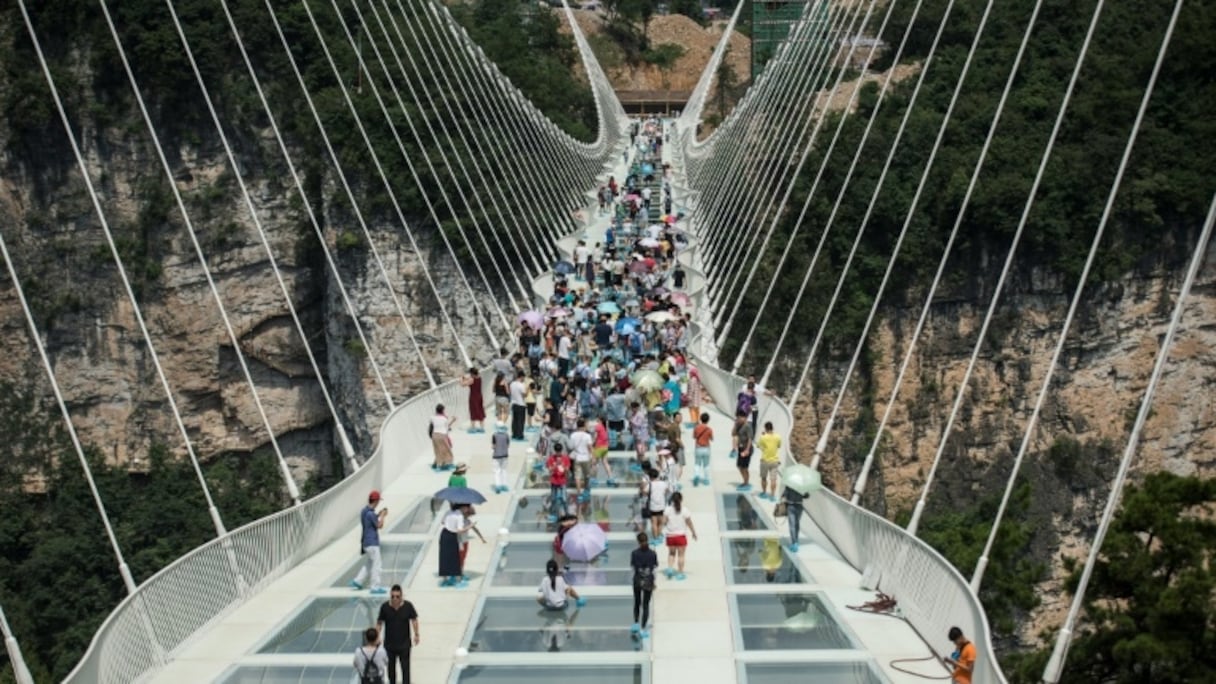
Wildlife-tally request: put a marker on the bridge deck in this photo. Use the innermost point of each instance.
(748, 610)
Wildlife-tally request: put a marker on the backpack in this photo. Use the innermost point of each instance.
(645, 579)
(371, 671)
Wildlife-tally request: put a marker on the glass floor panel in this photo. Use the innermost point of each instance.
(289, 674)
(326, 625)
(520, 625)
(420, 518)
(618, 466)
(787, 622)
(739, 513)
(398, 560)
(522, 564)
(762, 561)
(568, 674)
(615, 512)
(797, 673)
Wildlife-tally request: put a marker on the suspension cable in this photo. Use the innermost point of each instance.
(949, 247)
(1032, 423)
(285, 472)
(1006, 268)
(882, 176)
(316, 225)
(347, 448)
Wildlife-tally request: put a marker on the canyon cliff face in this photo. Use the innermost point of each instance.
(104, 365)
(1083, 427)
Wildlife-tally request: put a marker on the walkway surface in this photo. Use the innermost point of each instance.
(748, 610)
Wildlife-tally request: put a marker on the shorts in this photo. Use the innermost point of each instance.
(599, 451)
(531, 409)
(743, 462)
(676, 541)
(502, 402)
(768, 467)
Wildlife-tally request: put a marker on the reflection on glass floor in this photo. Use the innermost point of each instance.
(617, 465)
(830, 673)
(420, 518)
(761, 561)
(289, 674)
(398, 559)
(568, 674)
(522, 564)
(787, 622)
(520, 625)
(615, 512)
(326, 625)
(739, 513)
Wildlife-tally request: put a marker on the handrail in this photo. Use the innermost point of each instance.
(199, 588)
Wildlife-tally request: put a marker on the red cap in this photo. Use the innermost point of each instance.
(373, 497)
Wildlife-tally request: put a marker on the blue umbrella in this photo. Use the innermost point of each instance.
(563, 268)
(460, 495)
(609, 308)
(627, 322)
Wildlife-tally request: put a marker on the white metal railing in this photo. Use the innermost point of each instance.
(172, 606)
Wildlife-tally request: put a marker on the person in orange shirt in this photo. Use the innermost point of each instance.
(963, 658)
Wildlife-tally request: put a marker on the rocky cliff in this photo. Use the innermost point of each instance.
(102, 361)
(1082, 430)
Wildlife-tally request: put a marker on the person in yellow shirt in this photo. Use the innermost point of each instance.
(770, 461)
(963, 658)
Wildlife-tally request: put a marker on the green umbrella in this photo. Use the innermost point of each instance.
(801, 479)
(647, 380)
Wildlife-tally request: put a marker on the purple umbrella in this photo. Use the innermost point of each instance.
(584, 542)
(534, 319)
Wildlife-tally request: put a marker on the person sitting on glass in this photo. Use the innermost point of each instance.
(553, 592)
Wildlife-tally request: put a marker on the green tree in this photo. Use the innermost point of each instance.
(1149, 608)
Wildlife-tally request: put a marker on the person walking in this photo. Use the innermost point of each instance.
(643, 561)
(770, 461)
(599, 452)
(581, 443)
(459, 476)
(500, 446)
(371, 522)
(554, 591)
(477, 404)
(695, 390)
(656, 503)
(397, 619)
(452, 538)
(703, 437)
(793, 513)
(741, 448)
(502, 398)
(677, 525)
(963, 658)
(371, 661)
(558, 466)
(441, 441)
(639, 423)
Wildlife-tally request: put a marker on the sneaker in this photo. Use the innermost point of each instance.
(670, 572)
(705, 481)
(464, 582)
(681, 576)
(794, 548)
(743, 488)
(596, 483)
(552, 518)
(447, 582)
(378, 591)
(356, 586)
(635, 628)
(696, 480)
(635, 467)
(435, 467)
(613, 483)
(645, 633)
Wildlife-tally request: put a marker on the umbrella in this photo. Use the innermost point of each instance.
(557, 312)
(669, 219)
(563, 268)
(649, 242)
(627, 329)
(800, 478)
(584, 542)
(647, 380)
(660, 316)
(639, 266)
(460, 495)
(627, 322)
(609, 308)
(534, 319)
(659, 291)
(680, 298)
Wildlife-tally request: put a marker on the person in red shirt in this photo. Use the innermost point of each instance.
(558, 466)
